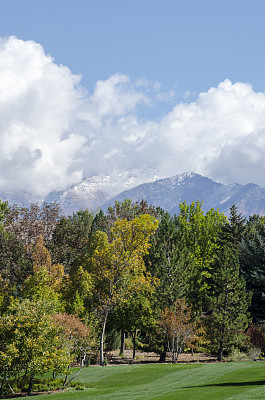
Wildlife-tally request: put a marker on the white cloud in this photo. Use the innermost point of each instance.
(52, 133)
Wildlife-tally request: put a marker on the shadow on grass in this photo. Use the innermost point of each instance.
(227, 384)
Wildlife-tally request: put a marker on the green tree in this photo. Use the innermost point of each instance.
(168, 261)
(229, 301)
(136, 313)
(233, 231)
(77, 292)
(252, 265)
(129, 210)
(15, 265)
(181, 255)
(72, 243)
(45, 283)
(198, 239)
(29, 343)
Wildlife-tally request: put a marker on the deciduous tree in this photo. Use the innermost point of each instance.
(29, 342)
(178, 327)
(118, 261)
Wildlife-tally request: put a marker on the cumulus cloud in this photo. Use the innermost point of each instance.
(53, 133)
(48, 123)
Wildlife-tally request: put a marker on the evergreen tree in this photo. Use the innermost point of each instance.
(233, 231)
(229, 300)
(252, 264)
(165, 262)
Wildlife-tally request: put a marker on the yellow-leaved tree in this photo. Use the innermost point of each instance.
(118, 262)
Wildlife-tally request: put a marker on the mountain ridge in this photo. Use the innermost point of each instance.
(169, 192)
(102, 191)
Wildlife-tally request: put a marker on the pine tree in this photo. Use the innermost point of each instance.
(252, 264)
(233, 231)
(229, 300)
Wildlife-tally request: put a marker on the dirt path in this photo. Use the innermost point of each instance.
(143, 357)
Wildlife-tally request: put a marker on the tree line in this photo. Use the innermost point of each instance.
(73, 287)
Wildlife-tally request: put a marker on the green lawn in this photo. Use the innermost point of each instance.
(245, 380)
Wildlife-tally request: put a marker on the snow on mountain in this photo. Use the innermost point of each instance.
(168, 193)
(101, 191)
(92, 192)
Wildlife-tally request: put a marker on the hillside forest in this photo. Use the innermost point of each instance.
(72, 288)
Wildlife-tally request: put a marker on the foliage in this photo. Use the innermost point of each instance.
(256, 336)
(20, 385)
(77, 292)
(29, 342)
(76, 337)
(15, 265)
(178, 327)
(127, 210)
(71, 241)
(229, 301)
(252, 265)
(46, 280)
(233, 231)
(136, 313)
(118, 261)
(198, 239)
(166, 262)
(126, 266)
(74, 332)
(183, 249)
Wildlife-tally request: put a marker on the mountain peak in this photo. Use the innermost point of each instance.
(167, 193)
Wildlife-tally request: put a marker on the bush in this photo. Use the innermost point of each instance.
(236, 355)
(254, 353)
(256, 337)
(20, 385)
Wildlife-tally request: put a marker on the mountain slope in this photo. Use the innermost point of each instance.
(89, 194)
(101, 191)
(168, 193)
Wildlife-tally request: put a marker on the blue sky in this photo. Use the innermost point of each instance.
(185, 81)
(193, 44)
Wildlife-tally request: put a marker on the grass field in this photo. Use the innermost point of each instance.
(237, 381)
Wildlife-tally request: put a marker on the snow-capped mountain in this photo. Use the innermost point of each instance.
(101, 191)
(168, 193)
(92, 192)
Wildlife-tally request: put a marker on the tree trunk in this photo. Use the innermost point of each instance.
(163, 355)
(173, 350)
(102, 338)
(134, 343)
(220, 351)
(10, 387)
(78, 372)
(30, 385)
(122, 343)
(66, 376)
